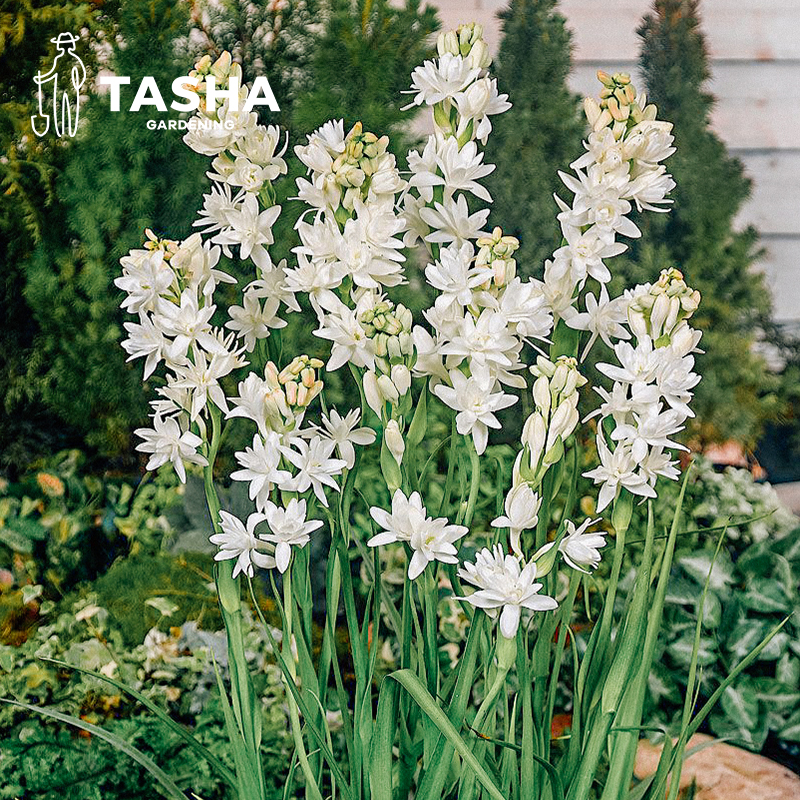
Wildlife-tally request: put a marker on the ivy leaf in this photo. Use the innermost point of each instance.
(698, 566)
(767, 596)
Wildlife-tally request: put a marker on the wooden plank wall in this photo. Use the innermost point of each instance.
(755, 51)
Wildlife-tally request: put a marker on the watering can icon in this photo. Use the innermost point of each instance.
(66, 107)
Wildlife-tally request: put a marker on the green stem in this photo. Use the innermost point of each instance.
(312, 790)
(245, 706)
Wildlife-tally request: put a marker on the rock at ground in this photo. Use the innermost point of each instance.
(725, 772)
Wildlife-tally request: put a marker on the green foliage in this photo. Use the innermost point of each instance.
(752, 590)
(183, 581)
(361, 63)
(539, 135)
(698, 236)
(57, 524)
(28, 169)
(174, 670)
(120, 178)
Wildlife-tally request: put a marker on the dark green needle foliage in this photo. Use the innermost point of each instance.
(120, 179)
(698, 235)
(539, 135)
(362, 62)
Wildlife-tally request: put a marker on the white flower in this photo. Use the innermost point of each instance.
(367, 249)
(424, 175)
(584, 253)
(452, 222)
(430, 539)
(476, 103)
(145, 278)
(462, 169)
(343, 431)
(259, 146)
(166, 442)
(522, 513)
(656, 463)
(650, 188)
(147, 340)
(195, 261)
(580, 549)
(218, 208)
(604, 318)
(315, 467)
(201, 376)
(261, 464)
(638, 365)
(473, 398)
(288, 526)
(504, 585)
(251, 321)
(239, 542)
(524, 306)
(273, 283)
(434, 541)
(188, 323)
(454, 276)
(651, 429)
(350, 340)
(616, 470)
(485, 341)
(407, 515)
(437, 80)
(251, 230)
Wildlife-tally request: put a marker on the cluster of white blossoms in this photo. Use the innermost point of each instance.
(171, 287)
(653, 382)
(430, 539)
(361, 217)
(484, 313)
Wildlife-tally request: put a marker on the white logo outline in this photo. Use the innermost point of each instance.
(64, 120)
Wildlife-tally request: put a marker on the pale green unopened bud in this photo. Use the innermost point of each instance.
(380, 344)
(388, 389)
(447, 43)
(372, 393)
(401, 378)
(394, 441)
(541, 395)
(393, 347)
(406, 343)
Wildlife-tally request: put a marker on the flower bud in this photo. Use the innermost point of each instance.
(393, 347)
(401, 378)
(394, 441)
(372, 393)
(388, 389)
(406, 343)
(541, 395)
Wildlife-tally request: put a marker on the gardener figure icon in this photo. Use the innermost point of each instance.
(66, 107)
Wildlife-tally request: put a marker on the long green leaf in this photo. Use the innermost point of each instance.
(162, 715)
(412, 684)
(172, 789)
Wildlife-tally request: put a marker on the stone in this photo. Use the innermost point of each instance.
(725, 772)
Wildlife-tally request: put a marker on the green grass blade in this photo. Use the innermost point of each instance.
(412, 684)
